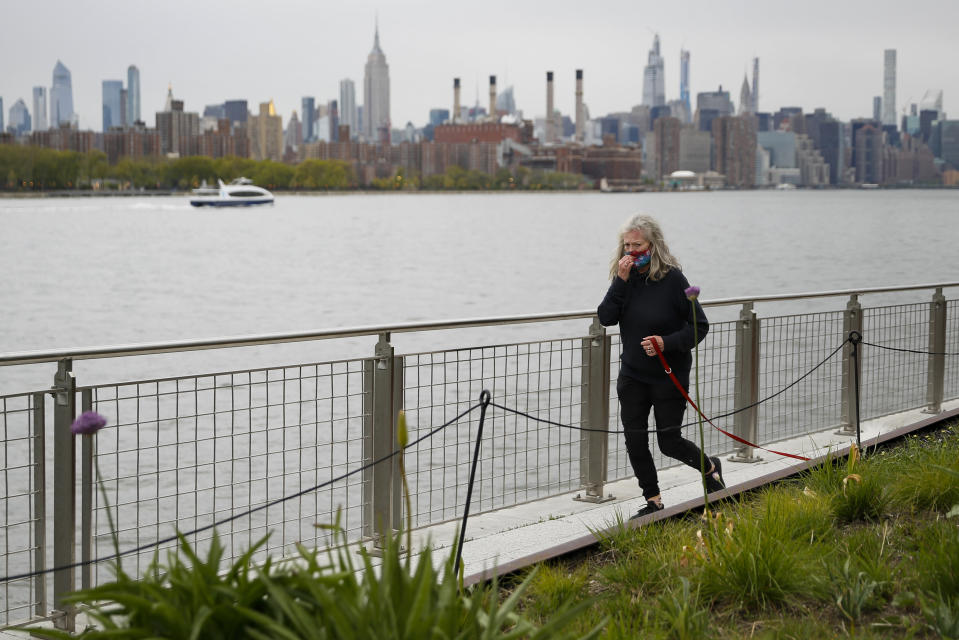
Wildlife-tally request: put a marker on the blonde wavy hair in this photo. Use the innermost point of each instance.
(660, 259)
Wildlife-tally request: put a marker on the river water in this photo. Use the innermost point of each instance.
(103, 271)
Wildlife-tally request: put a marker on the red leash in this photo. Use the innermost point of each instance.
(672, 376)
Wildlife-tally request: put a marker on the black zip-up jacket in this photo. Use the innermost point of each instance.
(643, 307)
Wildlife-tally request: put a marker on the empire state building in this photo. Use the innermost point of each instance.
(376, 94)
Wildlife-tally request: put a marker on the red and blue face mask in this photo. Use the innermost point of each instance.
(640, 258)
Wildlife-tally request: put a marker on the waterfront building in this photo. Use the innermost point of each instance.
(781, 146)
(113, 115)
(266, 134)
(762, 166)
(134, 142)
(710, 105)
(695, 150)
(20, 123)
(854, 126)
(949, 142)
(333, 109)
(505, 102)
(493, 132)
(376, 94)
(665, 147)
(654, 88)
(177, 128)
(133, 96)
(308, 104)
(889, 87)
(61, 96)
(294, 133)
(926, 118)
(348, 113)
(734, 144)
(813, 169)
(684, 84)
(39, 109)
(867, 152)
(237, 112)
(66, 137)
(755, 91)
(789, 119)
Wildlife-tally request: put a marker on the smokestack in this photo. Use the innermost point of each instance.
(550, 128)
(492, 97)
(579, 106)
(456, 101)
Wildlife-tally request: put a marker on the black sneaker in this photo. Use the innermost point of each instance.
(651, 507)
(714, 480)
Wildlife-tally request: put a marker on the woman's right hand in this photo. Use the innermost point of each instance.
(624, 267)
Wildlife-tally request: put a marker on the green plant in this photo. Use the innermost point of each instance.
(553, 585)
(929, 475)
(682, 614)
(853, 592)
(745, 562)
(941, 614)
(937, 557)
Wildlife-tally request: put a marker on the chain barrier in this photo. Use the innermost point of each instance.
(486, 401)
(272, 503)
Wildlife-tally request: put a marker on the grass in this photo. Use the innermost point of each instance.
(861, 547)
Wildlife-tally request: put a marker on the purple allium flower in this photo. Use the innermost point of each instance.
(692, 292)
(88, 423)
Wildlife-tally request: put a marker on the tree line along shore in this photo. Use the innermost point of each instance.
(33, 169)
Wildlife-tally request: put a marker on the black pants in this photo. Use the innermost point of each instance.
(635, 400)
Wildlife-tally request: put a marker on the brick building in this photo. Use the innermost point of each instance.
(734, 144)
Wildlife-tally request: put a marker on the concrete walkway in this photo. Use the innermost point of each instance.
(511, 538)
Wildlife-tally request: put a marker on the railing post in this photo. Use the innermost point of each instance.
(64, 492)
(40, 500)
(594, 414)
(851, 321)
(936, 369)
(86, 496)
(746, 383)
(396, 403)
(382, 440)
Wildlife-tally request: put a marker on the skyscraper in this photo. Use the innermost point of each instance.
(133, 95)
(755, 93)
(684, 82)
(112, 104)
(20, 118)
(654, 89)
(376, 94)
(889, 87)
(2, 129)
(61, 96)
(309, 117)
(39, 109)
(745, 97)
(348, 114)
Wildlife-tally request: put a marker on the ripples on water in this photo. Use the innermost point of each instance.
(80, 272)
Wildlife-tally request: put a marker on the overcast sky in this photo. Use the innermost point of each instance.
(812, 53)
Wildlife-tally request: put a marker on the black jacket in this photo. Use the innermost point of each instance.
(643, 307)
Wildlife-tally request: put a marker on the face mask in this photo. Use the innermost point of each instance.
(640, 258)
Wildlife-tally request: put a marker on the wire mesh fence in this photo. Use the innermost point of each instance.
(22, 530)
(183, 453)
(180, 454)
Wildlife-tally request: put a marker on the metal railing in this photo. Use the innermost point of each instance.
(182, 453)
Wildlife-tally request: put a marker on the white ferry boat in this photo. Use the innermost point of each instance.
(239, 193)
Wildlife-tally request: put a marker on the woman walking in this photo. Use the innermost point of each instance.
(647, 298)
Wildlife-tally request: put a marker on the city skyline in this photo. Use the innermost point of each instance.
(826, 56)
